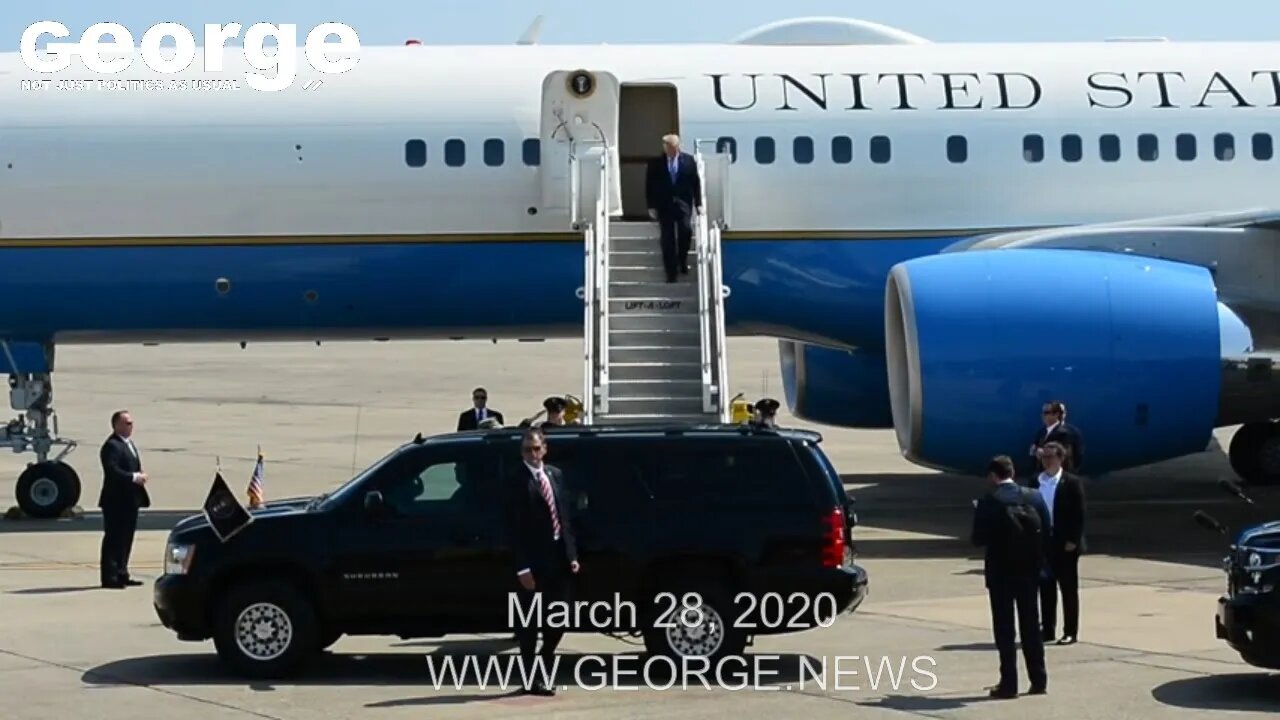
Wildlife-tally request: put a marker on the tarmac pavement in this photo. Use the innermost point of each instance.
(71, 650)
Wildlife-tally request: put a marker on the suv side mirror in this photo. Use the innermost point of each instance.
(374, 504)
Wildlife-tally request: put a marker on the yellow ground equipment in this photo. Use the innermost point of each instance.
(740, 410)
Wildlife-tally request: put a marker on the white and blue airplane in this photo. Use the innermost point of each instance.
(941, 236)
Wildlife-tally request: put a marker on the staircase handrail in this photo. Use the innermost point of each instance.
(705, 332)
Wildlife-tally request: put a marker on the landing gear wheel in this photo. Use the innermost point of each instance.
(1255, 453)
(266, 629)
(707, 631)
(47, 489)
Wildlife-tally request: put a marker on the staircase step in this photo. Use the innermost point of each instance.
(666, 418)
(668, 291)
(655, 405)
(622, 243)
(620, 306)
(640, 321)
(658, 353)
(637, 274)
(655, 371)
(662, 337)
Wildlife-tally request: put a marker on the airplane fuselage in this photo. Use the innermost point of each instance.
(121, 210)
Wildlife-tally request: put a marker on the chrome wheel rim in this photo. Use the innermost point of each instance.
(696, 639)
(263, 631)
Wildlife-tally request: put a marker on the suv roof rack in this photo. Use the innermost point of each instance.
(666, 429)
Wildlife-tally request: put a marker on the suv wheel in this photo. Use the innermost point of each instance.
(706, 631)
(265, 629)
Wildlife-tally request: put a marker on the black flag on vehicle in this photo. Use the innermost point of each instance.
(224, 512)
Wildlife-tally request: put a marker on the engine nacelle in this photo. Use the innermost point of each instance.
(835, 387)
(977, 341)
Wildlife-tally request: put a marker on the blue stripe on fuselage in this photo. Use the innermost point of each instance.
(828, 290)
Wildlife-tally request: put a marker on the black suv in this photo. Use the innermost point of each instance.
(755, 521)
(1248, 615)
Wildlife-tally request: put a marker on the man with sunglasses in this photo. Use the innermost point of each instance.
(472, 418)
(124, 492)
(1056, 429)
(542, 543)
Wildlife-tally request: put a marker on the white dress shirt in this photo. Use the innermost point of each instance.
(129, 444)
(535, 471)
(1049, 488)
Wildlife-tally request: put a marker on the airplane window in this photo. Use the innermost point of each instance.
(765, 150)
(1224, 146)
(455, 153)
(1033, 148)
(1072, 148)
(957, 148)
(415, 153)
(1186, 147)
(728, 145)
(494, 152)
(841, 150)
(1109, 148)
(1148, 147)
(1262, 147)
(881, 150)
(802, 148)
(531, 149)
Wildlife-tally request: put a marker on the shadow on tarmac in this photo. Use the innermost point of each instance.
(466, 664)
(1242, 692)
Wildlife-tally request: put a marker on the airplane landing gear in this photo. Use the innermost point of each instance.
(1255, 453)
(47, 488)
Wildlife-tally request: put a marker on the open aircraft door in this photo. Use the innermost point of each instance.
(579, 121)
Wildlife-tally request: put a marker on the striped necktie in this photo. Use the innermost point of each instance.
(545, 484)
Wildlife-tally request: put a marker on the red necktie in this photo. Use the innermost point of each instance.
(551, 504)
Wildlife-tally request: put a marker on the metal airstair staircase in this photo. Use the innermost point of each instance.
(654, 351)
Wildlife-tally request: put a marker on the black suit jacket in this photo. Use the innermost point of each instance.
(1069, 508)
(119, 491)
(529, 521)
(997, 565)
(467, 420)
(673, 200)
(1069, 436)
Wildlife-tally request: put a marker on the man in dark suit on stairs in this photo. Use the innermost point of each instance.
(544, 550)
(674, 192)
(124, 493)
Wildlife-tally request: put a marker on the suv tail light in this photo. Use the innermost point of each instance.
(833, 540)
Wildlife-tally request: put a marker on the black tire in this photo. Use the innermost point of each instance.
(714, 639)
(46, 490)
(265, 629)
(1254, 453)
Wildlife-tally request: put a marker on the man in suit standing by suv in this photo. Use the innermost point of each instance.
(1009, 522)
(1063, 492)
(542, 542)
(124, 492)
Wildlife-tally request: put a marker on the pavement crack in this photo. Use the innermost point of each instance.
(125, 681)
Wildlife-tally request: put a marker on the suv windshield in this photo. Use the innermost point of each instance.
(339, 496)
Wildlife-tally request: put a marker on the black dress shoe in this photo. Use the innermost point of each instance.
(1067, 640)
(1000, 693)
(1038, 690)
(132, 583)
(113, 584)
(538, 688)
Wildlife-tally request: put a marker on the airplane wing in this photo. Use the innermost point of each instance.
(1241, 250)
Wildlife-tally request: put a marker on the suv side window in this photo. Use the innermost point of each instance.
(434, 481)
(737, 474)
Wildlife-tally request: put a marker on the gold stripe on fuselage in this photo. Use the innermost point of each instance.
(452, 238)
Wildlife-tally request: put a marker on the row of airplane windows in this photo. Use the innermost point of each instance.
(880, 149)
